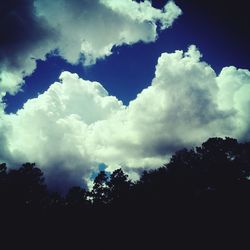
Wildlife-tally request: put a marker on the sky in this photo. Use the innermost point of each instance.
(119, 83)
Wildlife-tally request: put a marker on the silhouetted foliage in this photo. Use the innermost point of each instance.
(77, 198)
(201, 187)
(119, 187)
(55, 201)
(24, 187)
(3, 169)
(218, 167)
(100, 189)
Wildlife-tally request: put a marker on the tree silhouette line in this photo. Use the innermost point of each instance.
(220, 168)
(207, 185)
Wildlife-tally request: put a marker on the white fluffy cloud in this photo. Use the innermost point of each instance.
(52, 129)
(234, 95)
(93, 28)
(75, 124)
(84, 31)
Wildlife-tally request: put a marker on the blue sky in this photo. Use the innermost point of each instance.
(131, 68)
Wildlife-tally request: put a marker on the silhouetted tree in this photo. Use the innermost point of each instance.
(3, 179)
(197, 187)
(3, 169)
(26, 186)
(55, 201)
(200, 191)
(119, 187)
(100, 191)
(77, 197)
(151, 188)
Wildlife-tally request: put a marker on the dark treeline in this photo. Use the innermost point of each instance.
(201, 192)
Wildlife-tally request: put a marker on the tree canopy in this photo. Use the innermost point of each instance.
(197, 187)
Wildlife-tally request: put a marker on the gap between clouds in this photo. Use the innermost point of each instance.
(75, 124)
(79, 31)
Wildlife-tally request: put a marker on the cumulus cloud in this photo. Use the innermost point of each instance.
(25, 37)
(84, 31)
(51, 129)
(234, 85)
(76, 125)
